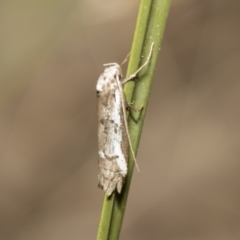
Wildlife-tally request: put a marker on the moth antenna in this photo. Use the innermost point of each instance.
(126, 125)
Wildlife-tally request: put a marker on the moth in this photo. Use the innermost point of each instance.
(113, 136)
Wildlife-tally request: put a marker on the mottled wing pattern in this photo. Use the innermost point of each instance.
(112, 136)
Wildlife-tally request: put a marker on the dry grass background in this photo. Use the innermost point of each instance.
(51, 56)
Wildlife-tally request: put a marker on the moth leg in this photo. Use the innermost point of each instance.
(140, 68)
(130, 106)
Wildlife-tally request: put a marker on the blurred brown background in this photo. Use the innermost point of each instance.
(51, 56)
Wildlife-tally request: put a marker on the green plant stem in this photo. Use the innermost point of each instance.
(150, 28)
(105, 220)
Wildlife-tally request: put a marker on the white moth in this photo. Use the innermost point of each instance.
(113, 135)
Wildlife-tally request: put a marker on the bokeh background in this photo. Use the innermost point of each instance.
(51, 56)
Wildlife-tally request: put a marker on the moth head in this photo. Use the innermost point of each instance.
(108, 79)
(113, 69)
